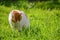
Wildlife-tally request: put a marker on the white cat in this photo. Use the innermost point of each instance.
(18, 20)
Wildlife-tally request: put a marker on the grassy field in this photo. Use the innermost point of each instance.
(45, 25)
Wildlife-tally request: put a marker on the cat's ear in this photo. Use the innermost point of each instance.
(19, 17)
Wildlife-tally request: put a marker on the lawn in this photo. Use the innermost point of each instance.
(44, 25)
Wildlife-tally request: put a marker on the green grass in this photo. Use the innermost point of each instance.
(44, 25)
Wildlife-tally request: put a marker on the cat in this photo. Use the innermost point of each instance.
(18, 20)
